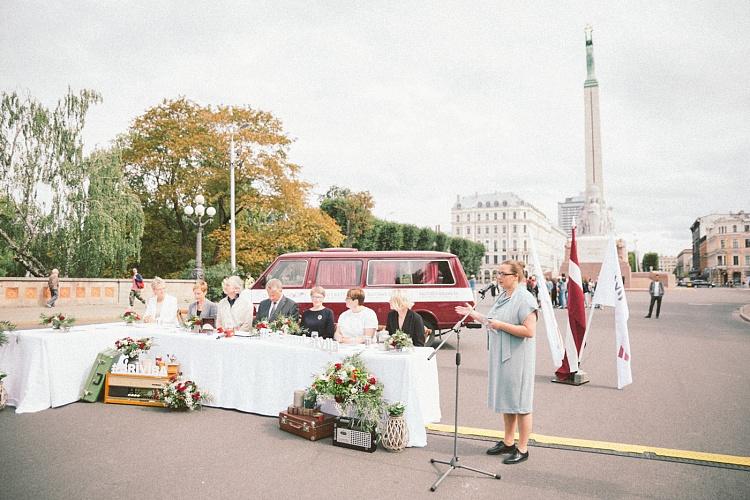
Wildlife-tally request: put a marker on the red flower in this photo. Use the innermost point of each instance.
(339, 381)
(367, 388)
(220, 330)
(354, 376)
(372, 380)
(337, 366)
(196, 396)
(61, 317)
(181, 388)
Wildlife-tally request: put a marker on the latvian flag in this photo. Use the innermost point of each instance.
(576, 312)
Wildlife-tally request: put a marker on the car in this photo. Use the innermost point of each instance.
(702, 283)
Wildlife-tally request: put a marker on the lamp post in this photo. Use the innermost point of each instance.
(232, 232)
(195, 215)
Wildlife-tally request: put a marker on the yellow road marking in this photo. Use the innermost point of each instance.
(602, 445)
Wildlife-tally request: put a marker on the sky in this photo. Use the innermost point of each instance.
(418, 102)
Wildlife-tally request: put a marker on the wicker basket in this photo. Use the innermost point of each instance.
(396, 435)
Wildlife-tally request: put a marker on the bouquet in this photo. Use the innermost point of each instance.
(57, 321)
(193, 321)
(180, 395)
(396, 409)
(354, 389)
(5, 326)
(131, 348)
(130, 316)
(400, 340)
(286, 325)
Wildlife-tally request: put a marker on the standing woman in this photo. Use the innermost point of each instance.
(401, 317)
(512, 325)
(318, 318)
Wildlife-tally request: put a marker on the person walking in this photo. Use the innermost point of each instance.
(563, 292)
(473, 286)
(53, 283)
(656, 290)
(135, 287)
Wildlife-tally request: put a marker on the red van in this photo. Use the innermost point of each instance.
(435, 281)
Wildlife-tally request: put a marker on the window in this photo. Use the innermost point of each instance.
(734, 229)
(290, 272)
(723, 243)
(339, 273)
(747, 260)
(503, 215)
(495, 230)
(747, 243)
(458, 218)
(514, 215)
(524, 228)
(505, 246)
(735, 260)
(409, 272)
(515, 246)
(486, 229)
(486, 259)
(720, 260)
(735, 244)
(495, 246)
(487, 216)
(747, 228)
(515, 229)
(505, 257)
(494, 259)
(524, 245)
(468, 229)
(505, 229)
(524, 215)
(495, 215)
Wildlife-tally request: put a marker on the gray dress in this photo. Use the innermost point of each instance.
(511, 359)
(210, 309)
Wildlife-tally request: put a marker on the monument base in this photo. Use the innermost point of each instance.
(577, 378)
(591, 251)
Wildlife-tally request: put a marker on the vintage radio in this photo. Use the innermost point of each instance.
(347, 433)
(134, 389)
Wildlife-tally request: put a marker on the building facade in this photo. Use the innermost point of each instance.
(684, 263)
(503, 223)
(667, 263)
(569, 211)
(721, 248)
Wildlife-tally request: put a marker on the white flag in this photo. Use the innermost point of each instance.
(610, 291)
(550, 323)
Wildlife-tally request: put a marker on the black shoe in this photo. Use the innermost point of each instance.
(516, 458)
(647, 316)
(501, 448)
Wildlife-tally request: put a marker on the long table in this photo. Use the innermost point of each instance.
(48, 368)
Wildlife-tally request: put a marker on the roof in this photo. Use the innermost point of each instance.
(353, 253)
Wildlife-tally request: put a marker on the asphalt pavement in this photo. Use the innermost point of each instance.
(690, 392)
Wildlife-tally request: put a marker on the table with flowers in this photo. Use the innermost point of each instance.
(48, 368)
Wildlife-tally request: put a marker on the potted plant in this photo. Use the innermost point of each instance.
(132, 348)
(130, 316)
(400, 341)
(396, 435)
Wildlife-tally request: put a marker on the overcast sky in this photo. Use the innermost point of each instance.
(418, 102)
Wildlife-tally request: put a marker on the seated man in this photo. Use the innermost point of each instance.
(276, 304)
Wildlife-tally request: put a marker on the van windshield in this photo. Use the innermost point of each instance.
(409, 272)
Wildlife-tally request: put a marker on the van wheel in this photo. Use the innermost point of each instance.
(434, 333)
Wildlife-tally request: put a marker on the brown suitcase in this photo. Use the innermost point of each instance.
(310, 427)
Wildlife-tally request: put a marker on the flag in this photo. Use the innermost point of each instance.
(610, 291)
(548, 313)
(576, 315)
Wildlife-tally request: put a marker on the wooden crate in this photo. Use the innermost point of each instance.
(136, 384)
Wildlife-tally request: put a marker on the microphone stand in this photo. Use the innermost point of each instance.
(453, 462)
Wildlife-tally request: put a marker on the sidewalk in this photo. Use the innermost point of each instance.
(28, 317)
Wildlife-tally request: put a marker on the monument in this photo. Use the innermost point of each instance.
(595, 223)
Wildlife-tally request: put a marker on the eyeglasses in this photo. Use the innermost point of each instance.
(505, 274)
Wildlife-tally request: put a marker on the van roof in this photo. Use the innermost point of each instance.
(351, 252)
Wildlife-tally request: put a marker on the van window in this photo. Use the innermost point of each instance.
(290, 272)
(409, 272)
(339, 273)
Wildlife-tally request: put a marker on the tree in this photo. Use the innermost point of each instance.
(409, 237)
(442, 241)
(47, 189)
(352, 211)
(426, 239)
(650, 262)
(632, 261)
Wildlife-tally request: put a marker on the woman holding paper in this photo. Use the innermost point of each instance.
(162, 307)
(512, 325)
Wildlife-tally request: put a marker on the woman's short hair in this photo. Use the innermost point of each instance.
(200, 285)
(516, 268)
(399, 300)
(318, 290)
(157, 282)
(356, 294)
(233, 281)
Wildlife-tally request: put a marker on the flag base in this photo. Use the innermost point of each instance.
(577, 378)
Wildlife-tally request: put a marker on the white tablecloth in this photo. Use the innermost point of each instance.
(48, 368)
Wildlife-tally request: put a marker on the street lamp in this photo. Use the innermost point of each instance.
(232, 244)
(195, 215)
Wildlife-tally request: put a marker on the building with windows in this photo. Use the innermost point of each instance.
(504, 223)
(569, 211)
(684, 263)
(721, 247)
(667, 263)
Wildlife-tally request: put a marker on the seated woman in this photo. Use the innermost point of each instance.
(162, 307)
(202, 307)
(403, 318)
(318, 318)
(359, 322)
(235, 311)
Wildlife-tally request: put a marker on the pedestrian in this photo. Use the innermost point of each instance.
(135, 287)
(511, 324)
(473, 284)
(563, 292)
(532, 287)
(586, 293)
(53, 283)
(553, 292)
(656, 289)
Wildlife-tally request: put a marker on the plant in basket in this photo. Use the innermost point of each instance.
(130, 316)
(396, 409)
(5, 326)
(57, 321)
(286, 325)
(353, 389)
(132, 348)
(182, 395)
(400, 341)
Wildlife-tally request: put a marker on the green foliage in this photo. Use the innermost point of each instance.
(426, 239)
(352, 211)
(409, 237)
(214, 275)
(5, 326)
(631, 261)
(650, 262)
(442, 241)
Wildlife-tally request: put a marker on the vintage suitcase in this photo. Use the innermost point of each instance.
(311, 427)
(348, 434)
(95, 380)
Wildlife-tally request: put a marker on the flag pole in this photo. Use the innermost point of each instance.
(586, 334)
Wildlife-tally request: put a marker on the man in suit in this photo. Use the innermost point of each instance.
(276, 304)
(656, 289)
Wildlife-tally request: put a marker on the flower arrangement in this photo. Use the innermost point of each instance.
(57, 321)
(179, 395)
(400, 340)
(350, 385)
(5, 326)
(132, 348)
(193, 321)
(130, 316)
(396, 409)
(287, 325)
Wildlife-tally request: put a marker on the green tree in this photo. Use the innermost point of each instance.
(650, 262)
(426, 239)
(631, 261)
(409, 236)
(442, 242)
(352, 211)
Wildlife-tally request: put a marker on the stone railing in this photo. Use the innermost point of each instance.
(33, 292)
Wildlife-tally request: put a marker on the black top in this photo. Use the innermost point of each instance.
(319, 321)
(413, 326)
